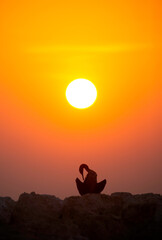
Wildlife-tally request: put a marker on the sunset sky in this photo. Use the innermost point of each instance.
(46, 44)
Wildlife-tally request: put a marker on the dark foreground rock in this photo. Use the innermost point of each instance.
(92, 216)
(6, 208)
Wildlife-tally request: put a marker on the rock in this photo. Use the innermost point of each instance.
(122, 194)
(6, 208)
(91, 216)
(95, 216)
(36, 212)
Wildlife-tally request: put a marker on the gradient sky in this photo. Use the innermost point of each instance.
(43, 140)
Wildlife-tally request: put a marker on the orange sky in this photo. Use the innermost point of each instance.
(47, 44)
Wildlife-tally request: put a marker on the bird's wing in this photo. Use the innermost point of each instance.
(81, 187)
(100, 186)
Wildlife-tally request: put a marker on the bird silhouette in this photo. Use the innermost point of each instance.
(89, 184)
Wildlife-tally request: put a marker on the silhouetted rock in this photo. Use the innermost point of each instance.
(6, 208)
(92, 216)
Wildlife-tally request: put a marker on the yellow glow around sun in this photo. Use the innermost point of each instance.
(81, 93)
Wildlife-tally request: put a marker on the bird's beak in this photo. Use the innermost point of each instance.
(83, 176)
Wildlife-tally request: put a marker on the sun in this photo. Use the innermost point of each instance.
(81, 93)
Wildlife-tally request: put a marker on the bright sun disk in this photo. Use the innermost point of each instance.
(81, 93)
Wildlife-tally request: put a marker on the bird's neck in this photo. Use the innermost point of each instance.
(87, 169)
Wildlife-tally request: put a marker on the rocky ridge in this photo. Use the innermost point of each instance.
(89, 217)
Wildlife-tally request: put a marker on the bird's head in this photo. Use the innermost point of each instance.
(82, 166)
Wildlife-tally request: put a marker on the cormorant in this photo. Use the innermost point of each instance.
(89, 185)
